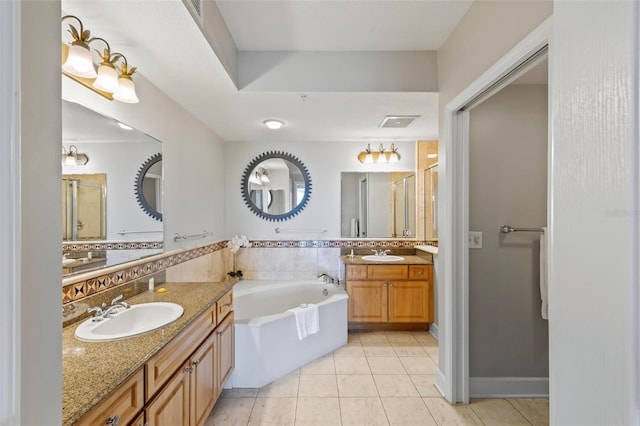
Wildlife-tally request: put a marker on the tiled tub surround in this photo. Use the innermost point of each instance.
(92, 370)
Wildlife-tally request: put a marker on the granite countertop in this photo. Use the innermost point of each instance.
(92, 370)
(408, 260)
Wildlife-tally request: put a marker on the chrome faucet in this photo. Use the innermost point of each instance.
(380, 252)
(102, 312)
(328, 279)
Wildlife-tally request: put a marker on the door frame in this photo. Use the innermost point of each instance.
(453, 376)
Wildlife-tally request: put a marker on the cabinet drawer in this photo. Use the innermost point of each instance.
(356, 272)
(224, 305)
(420, 272)
(387, 272)
(125, 402)
(161, 366)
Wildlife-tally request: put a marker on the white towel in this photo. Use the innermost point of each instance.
(544, 286)
(307, 319)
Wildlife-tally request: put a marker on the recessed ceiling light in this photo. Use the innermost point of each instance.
(124, 126)
(398, 121)
(273, 124)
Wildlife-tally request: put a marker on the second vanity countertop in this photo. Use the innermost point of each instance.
(92, 370)
(408, 260)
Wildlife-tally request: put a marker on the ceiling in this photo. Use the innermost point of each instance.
(161, 38)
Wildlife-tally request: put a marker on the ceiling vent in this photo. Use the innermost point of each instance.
(398, 121)
(195, 7)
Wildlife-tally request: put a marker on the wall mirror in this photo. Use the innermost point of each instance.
(378, 205)
(276, 186)
(100, 202)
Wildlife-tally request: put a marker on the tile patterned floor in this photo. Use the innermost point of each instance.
(377, 378)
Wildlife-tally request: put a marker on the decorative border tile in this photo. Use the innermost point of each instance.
(75, 291)
(69, 246)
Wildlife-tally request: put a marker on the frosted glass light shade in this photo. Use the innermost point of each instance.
(127, 91)
(69, 160)
(107, 80)
(79, 62)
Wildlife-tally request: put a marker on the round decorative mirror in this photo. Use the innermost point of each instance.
(276, 186)
(149, 186)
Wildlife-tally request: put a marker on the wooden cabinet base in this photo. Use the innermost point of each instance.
(383, 326)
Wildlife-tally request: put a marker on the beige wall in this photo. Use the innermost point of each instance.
(507, 185)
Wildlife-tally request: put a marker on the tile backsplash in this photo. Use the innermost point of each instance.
(265, 260)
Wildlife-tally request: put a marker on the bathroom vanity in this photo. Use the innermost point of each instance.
(389, 295)
(170, 376)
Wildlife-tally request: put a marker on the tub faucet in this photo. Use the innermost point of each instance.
(327, 279)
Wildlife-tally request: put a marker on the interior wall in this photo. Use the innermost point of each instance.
(507, 186)
(192, 157)
(593, 286)
(486, 33)
(40, 132)
(325, 161)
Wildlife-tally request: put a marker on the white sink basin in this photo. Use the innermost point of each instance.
(387, 258)
(130, 322)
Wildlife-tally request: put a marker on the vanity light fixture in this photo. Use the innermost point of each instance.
(264, 176)
(380, 156)
(72, 157)
(79, 66)
(273, 124)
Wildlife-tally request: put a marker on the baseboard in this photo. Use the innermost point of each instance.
(440, 382)
(433, 329)
(508, 387)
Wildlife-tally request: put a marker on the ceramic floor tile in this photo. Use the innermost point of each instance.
(407, 412)
(318, 385)
(425, 384)
(362, 411)
(534, 410)
(373, 336)
(350, 349)
(378, 349)
(494, 412)
(432, 351)
(286, 386)
(318, 412)
(395, 385)
(322, 365)
(231, 412)
(409, 349)
(352, 365)
(424, 337)
(419, 364)
(273, 412)
(353, 337)
(401, 337)
(239, 393)
(386, 365)
(355, 385)
(446, 414)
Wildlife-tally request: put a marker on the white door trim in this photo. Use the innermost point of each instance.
(454, 212)
(10, 213)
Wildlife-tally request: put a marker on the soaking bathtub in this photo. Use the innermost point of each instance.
(266, 341)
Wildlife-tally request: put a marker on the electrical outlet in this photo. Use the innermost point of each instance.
(475, 239)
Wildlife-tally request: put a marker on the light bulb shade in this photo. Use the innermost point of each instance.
(69, 160)
(107, 79)
(79, 61)
(126, 91)
(394, 157)
(265, 178)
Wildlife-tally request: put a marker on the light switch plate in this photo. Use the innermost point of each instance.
(475, 239)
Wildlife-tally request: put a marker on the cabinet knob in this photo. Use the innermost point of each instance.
(419, 272)
(195, 362)
(385, 284)
(113, 421)
(188, 369)
(390, 285)
(227, 305)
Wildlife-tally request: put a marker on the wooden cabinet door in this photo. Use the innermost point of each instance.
(226, 351)
(171, 406)
(139, 421)
(410, 301)
(203, 380)
(367, 301)
(121, 406)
